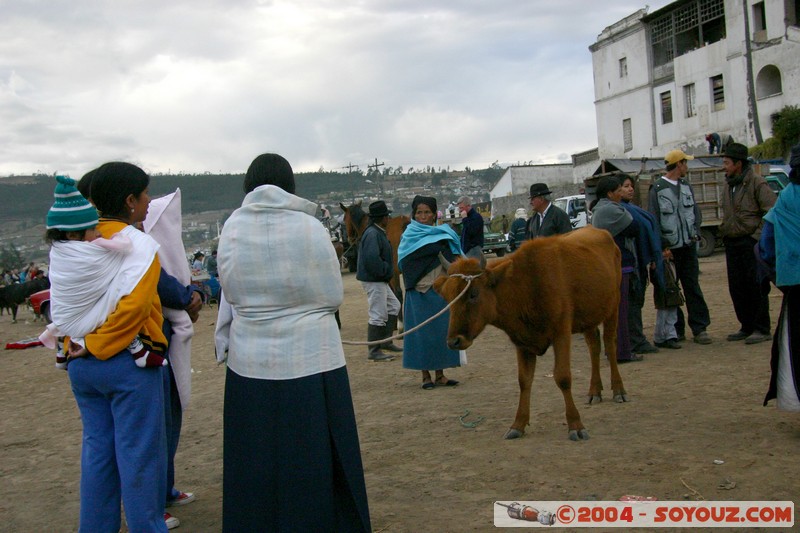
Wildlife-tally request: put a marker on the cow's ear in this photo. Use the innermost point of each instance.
(500, 272)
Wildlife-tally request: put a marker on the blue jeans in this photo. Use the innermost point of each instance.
(123, 455)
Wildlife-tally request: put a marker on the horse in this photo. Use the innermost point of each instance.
(356, 221)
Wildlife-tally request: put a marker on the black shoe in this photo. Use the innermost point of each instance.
(738, 336)
(647, 348)
(672, 344)
(633, 359)
(702, 338)
(757, 337)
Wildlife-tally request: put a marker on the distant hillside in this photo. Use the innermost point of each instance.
(26, 197)
(29, 197)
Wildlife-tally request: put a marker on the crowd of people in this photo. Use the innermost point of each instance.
(126, 349)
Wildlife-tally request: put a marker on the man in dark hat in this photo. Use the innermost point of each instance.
(471, 230)
(547, 218)
(746, 198)
(375, 269)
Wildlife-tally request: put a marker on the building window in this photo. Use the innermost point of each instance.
(627, 135)
(759, 17)
(689, 99)
(623, 67)
(793, 12)
(768, 82)
(718, 93)
(687, 27)
(666, 107)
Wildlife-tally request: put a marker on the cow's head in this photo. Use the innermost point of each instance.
(478, 306)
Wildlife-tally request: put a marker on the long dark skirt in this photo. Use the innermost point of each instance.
(291, 456)
(623, 340)
(784, 382)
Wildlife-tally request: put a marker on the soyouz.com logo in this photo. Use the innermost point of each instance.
(643, 514)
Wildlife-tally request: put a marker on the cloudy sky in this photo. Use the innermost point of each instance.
(206, 85)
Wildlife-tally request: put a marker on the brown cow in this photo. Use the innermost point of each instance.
(548, 289)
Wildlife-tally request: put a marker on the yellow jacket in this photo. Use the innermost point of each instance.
(138, 313)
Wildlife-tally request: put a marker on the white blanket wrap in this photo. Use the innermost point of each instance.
(88, 279)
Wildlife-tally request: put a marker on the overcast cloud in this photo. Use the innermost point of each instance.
(207, 85)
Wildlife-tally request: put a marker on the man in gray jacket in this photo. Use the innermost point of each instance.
(671, 200)
(375, 269)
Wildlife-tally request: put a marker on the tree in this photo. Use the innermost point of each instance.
(787, 127)
(785, 134)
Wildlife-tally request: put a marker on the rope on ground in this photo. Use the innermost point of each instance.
(472, 424)
(694, 491)
(425, 323)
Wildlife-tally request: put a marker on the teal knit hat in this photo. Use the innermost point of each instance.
(71, 211)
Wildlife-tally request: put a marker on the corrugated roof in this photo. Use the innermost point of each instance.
(636, 166)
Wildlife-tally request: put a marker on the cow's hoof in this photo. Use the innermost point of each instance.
(621, 398)
(597, 398)
(578, 434)
(513, 434)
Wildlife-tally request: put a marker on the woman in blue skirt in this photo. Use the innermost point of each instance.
(418, 257)
(291, 457)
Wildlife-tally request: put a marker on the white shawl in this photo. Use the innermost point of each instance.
(88, 279)
(163, 223)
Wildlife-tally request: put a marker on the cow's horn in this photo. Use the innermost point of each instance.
(445, 263)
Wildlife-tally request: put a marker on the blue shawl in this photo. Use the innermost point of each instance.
(785, 217)
(648, 245)
(419, 249)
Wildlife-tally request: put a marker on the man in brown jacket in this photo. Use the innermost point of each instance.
(745, 200)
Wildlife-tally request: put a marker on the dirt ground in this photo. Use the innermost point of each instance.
(424, 470)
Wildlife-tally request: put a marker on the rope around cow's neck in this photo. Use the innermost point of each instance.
(425, 323)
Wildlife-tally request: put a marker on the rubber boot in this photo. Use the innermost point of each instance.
(375, 333)
(390, 326)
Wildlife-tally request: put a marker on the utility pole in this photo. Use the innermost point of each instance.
(350, 167)
(375, 166)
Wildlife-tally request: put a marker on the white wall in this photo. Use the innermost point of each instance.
(638, 98)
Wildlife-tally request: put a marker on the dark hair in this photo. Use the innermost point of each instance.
(625, 177)
(112, 183)
(85, 184)
(54, 234)
(269, 169)
(605, 185)
(672, 166)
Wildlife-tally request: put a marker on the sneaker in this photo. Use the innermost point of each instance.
(757, 337)
(181, 499)
(171, 521)
(738, 336)
(702, 338)
(672, 344)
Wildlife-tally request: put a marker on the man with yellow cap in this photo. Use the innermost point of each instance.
(672, 202)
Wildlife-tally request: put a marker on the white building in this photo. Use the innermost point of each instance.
(518, 179)
(665, 79)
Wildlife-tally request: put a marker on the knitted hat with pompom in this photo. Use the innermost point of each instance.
(71, 211)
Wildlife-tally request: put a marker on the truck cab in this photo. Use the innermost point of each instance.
(575, 207)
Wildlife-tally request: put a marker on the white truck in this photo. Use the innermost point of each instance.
(575, 207)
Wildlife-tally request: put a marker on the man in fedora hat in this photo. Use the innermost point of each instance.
(547, 218)
(746, 199)
(671, 200)
(375, 269)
